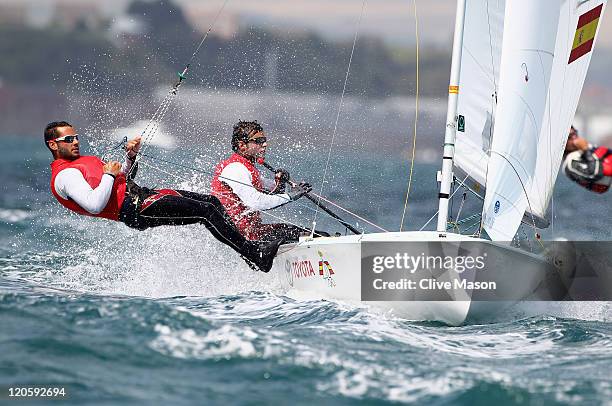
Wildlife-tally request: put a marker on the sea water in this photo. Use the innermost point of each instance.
(171, 316)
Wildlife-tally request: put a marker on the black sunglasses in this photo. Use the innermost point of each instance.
(258, 140)
(67, 138)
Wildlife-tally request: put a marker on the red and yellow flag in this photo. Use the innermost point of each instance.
(585, 33)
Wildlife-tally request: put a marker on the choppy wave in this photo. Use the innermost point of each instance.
(172, 316)
(222, 346)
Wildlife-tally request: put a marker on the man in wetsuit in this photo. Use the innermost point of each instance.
(91, 187)
(245, 193)
(587, 165)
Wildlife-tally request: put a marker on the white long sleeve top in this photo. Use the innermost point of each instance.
(70, 184)
(238, 177)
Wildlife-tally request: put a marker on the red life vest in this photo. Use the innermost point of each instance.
(91, 168)
(248, 222)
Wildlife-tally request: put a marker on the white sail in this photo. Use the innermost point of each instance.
(578, 21)
(521, 116)
(530, 32)
(479, 79)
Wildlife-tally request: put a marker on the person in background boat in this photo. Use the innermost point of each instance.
(86, 185)
(245, 193)
(589, 166)
(575, 142)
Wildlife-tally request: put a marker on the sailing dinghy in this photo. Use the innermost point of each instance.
(518, 68)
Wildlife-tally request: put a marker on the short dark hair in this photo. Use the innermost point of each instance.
(242, 131)
(51, 129)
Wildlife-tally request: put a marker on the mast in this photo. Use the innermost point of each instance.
(446, 177)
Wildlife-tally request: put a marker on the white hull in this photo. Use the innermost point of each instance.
(303, 269)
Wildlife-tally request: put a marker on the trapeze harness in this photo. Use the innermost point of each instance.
(590, 169)
(137, 207)
(241, 190)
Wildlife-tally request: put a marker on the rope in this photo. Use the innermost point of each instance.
(209, 190)
(153, 125)
(251, 186)
(314, 221)
(111, 149)
(437, 211)
(207, 173)
(463, 199)
(348, 211)
(493, 109)
(416, 116)
(465, 220)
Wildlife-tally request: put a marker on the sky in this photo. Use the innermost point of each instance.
(393, 20)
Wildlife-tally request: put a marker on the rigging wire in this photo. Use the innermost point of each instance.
(457, 221)
(251, 186)
(349, 212)
(153, 125)
(437, 211)
(209, 190)
(416, 116)
(348, 69)
(493, 110)
(200, 171)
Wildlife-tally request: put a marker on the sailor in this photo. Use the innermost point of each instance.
(245, 193)
(86, 185)
(589, 166)
(575, 142)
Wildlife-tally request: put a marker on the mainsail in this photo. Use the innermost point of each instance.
(479, 80)
(523, 67)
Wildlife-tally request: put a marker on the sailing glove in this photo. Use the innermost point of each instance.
(281, 177)
(299, 190)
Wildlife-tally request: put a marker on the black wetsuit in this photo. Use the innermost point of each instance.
(288, 232)
(144, 208)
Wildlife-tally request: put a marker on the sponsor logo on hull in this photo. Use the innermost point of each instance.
(302, 269)
(296, 268)
(326, 270)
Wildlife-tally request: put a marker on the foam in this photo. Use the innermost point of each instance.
(222, 343)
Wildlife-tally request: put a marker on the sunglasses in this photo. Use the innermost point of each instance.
(67, 138)
(258, 140)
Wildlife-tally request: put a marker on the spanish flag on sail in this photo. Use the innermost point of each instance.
(585, 33)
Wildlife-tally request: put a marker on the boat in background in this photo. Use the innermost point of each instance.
(517, 72)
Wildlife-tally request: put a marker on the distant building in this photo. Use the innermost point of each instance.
(69, 14)
(73, 16)
(13, 15)
(201, 17)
